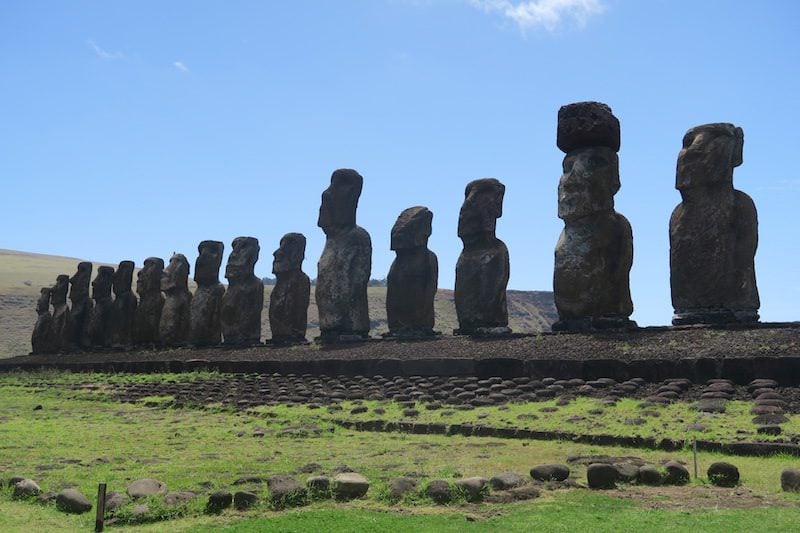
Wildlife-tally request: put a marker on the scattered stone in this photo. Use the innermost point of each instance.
(790, 480)
(143, 488)
(46, 497)
(601, 476)
(177, 498)
(649, 475)
(115, 500)
(506, 481)
(723, 474)
(628, 473)
(139, 511)
(26, 488)
(402, 485)
(770, 419)
(218, 501)
(769, 429)
(72, 501)
(473, 487)
(244, 499)
(319, 487)
(551, 472)
(349, 485)
(439, 491)
(710, 406)
(285, 490)
(676, 474)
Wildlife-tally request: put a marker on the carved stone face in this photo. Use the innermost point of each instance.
(123, 277)
(43, 303)
(339, 202)
(589, 182)
(206, 268)
(59, 291)
(80, 281)
(176, 275)
(483, 205)
(289, 256)
(101, 286)
(709, 154)
(242, 261)
(412, 229)
(149, 278)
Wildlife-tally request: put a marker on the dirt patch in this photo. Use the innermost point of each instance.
(697, 497)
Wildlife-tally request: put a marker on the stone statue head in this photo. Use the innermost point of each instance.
(412, 229)
(242, 261)
(43, 303)
(123, 277)
(339, 202)
(176, 276)
(80, 280)
(589, 182)
(290, 254)
(710, 153)
(206, 268)
(483, 205)
(101, 286)
(149, 278)
(59, 291)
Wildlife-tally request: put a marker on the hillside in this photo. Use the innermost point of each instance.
(22, 274)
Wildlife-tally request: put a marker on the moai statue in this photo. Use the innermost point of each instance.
(43, 339)
(482, 269)
(344, 268)
(288, 303)
(206, 328)
(713, 232)
(413, 276)
(173, 328)
(124, 315)
(244, 299)
(151, 302)
(100, 321)
(594, 253)
(61, 318)
(81, 308)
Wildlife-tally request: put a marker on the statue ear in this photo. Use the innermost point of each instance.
(738, 147)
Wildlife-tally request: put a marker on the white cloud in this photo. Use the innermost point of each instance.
(103, 54)
(547, 14)
(180, 66)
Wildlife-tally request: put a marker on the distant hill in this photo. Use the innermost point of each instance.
(22, 274)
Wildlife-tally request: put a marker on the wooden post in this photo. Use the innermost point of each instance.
(694, 451)
(101, 508)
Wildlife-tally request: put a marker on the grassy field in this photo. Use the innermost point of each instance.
(65, 430)
(23, 274)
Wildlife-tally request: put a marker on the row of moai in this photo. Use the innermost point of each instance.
(713, 238)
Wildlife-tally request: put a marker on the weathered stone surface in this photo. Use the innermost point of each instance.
(173, 328)
(43, 337)
(439, 491)
(413, 277)
(483, 268)
(790, 480)
(61, 315)
(114, 500)
(587, 124)
(206, 325)
(401, 486)
(219, 501)
(649, 475)
(676, 474)
(81, 306)
(627, 472)
(25, 488)
(349, 485)
(177, 498)
(100, 321)
(151, 302)
(319, 486)
(285, 490)
(713, 232)
(344, 267)
(72, 501)
(288, 304)
(123, 316)
(244, 499)
(506, 481)
(594, 252)
(473, 488)
(723, 474)
(601, 476)
(244, 298)
(553, 472)
(143, 488)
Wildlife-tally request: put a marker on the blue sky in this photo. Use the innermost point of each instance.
(135, 128)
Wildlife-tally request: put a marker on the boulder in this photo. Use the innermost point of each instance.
(218, 501)
(349, 485)
(601, 476)
(115, 500)
(319, 486)
(243, 500)
(176, 498)
(552, 472)
(473, 488)
(438, 490)
(506, 481)
(649, 475)
(25, 489)
(143, 488)
(72, 501)
(402, 485)
(723, 474)
(676, 474)
(285, 490)
(790, 480)
(628, 473)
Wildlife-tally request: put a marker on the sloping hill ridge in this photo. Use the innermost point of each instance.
(22, 274)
